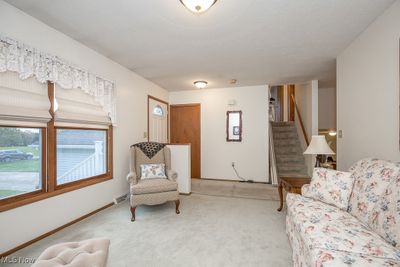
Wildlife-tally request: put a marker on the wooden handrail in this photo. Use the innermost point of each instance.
(303, 129)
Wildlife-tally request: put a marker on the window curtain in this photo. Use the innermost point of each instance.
(30, 62)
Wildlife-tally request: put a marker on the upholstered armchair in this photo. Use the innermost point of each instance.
(157, 190)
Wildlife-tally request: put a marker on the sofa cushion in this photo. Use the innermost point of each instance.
(92, 252)
(157, 185)
(326, 227)
(331, 187)
(371, 179)
(385, 219)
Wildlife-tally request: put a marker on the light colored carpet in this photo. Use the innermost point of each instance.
(210, 231)
(235, 189)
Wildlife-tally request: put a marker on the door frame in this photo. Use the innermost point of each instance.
(194, 105)
(148, 115)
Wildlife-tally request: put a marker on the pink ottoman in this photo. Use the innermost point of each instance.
(87, 253)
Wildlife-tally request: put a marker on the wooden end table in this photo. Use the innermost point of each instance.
(291, 185)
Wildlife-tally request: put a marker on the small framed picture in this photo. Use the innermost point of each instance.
(236, 130)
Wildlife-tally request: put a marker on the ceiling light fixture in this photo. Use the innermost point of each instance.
(198, 6)
(200, 84)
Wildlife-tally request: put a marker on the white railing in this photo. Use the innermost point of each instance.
(273, 171)
(91, 166)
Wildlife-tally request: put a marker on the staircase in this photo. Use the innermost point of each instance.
(288, 151)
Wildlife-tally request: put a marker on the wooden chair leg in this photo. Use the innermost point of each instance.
(177, 203)
(133, 210)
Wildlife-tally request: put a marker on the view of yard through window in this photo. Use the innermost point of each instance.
(20, 164)
(80, 154)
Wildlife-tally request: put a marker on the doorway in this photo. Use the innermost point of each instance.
(157, 120)
(186, 129)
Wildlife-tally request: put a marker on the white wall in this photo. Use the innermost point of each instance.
(368, 92)
(306, 95)
(250, 155)
(27, 222)
(327, 108)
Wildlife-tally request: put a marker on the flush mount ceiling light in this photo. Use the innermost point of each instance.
(198, 6)
(200, 84)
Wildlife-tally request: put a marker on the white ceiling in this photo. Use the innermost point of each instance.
(253, 41)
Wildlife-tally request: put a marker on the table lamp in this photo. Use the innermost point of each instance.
(318, 146)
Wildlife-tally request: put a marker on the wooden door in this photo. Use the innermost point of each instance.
(157, 118)
(186, 128)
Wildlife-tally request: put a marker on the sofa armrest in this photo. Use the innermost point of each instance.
(304, 189)
(172, 175)
(132, 178)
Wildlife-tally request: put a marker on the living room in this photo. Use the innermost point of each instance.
(345, 51)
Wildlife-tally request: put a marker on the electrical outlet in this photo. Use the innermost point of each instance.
(233, 164)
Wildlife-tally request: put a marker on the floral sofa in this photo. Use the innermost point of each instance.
(347, 219)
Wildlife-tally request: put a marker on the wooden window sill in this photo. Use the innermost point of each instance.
(18, 201)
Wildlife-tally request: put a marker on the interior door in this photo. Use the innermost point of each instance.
(186, 128)
(157, 120)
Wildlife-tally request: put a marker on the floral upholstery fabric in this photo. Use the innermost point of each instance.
(385, 218)
(324, 235)
(375, 198)
(331, 187)
(371, 179)
(151, 171)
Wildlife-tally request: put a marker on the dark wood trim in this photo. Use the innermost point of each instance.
(30, 242)
(185, 194)
(291, 92)
(51, 142)
(148, 115)
(240, 126)
(111, 151)
(107, 175)
(280, 94)
(186, 105)
(303, 129)
(28, 195)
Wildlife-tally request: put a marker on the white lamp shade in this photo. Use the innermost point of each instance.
(318, 146)
(198, 6)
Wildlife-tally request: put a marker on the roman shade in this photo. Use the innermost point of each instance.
(29, 62)
(23, 102)
(75, 108)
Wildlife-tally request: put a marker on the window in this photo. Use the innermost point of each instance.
(47, 151)
(80, 154)
(20, 161)
(158, 110)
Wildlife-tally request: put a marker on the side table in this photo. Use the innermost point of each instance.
(291, 185)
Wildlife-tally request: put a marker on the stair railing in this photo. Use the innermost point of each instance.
(303, 129)
(273, 170)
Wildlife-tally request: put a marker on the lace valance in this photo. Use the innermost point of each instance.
(28, 61)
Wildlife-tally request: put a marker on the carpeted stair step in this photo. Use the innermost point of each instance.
(288, 151)
(294, 159)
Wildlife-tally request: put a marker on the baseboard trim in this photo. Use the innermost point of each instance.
(30, 242)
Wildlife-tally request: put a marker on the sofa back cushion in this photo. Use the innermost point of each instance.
(372, 178)
(331, 187)
(385, 218)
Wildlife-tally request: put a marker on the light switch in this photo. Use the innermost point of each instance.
(144, 134)
(340, 134)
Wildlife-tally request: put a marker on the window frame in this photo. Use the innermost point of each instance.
(49, 164)
(83, 180)
(43, 171)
